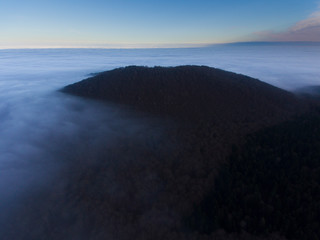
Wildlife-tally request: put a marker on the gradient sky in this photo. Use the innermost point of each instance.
(152, 23)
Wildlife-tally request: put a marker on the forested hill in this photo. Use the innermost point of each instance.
(189, 91)
(162, 189)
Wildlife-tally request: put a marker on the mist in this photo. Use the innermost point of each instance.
(44, 132)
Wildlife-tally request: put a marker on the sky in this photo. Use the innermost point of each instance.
(154, 23)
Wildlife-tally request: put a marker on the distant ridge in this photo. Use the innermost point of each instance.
(270, 43)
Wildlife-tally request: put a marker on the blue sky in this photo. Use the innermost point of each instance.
(142, 23)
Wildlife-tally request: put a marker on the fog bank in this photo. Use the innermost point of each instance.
(44, 132)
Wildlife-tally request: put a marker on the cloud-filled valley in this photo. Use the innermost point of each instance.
(43, 131)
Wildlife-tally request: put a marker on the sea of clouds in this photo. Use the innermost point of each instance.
(42, 129)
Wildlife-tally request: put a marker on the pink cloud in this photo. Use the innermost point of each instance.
(305, 30)
(312, 21)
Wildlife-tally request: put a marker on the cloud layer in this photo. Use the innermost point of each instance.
(305, 30)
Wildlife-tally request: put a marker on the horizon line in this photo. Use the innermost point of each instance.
(154, 46)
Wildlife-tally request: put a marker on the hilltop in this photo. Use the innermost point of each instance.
(188, 92)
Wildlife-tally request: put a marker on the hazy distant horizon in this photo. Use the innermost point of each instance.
(164, 46)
